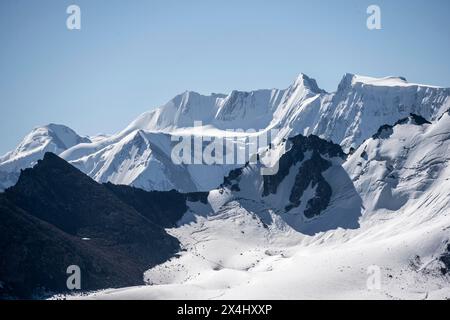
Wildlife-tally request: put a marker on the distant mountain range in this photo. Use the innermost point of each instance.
(140, 154)
(362, 181)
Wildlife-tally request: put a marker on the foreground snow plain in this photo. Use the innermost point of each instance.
(230, 255)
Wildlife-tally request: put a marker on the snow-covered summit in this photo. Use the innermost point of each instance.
(308, 83)
(349, 116)
(50, 138)
(61, 136)
(391, 81)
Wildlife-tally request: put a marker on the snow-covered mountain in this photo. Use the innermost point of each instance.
(391, 201)
(140, 155)
(311, 192)
(51, 138)
(348, 116)
(405, 164)
(361, 187)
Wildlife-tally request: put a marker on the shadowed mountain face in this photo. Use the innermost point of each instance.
(34, 256)
(309, 173)
(385, 131)
(55, 216)
(160, 207)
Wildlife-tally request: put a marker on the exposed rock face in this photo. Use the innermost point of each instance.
(310, 174)
(445, 259)
(313, 154)
(385, 131)
(307, 159)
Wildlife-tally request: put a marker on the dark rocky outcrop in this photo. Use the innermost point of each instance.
(232, 180)
(445, 259)
(413, 119)
(313, 153)
(299, 146)
(385, 131)
(164, 208)
(309, 173)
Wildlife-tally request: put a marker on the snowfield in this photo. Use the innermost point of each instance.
(230, 255)
(232, 252)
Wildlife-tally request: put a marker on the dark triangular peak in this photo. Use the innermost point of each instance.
(50, 167)
(385, 131)
(308, 83)
(58, 193)
(60, 196)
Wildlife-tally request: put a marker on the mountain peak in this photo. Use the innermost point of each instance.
(308, 83)
(346, 81)
(50, 167)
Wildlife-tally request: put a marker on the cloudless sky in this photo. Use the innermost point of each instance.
(133, 55)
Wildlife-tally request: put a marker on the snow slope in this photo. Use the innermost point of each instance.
(237, 248)
(230, 256)
(403, 163)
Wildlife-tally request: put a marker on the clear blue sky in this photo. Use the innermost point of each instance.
(132, 55)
